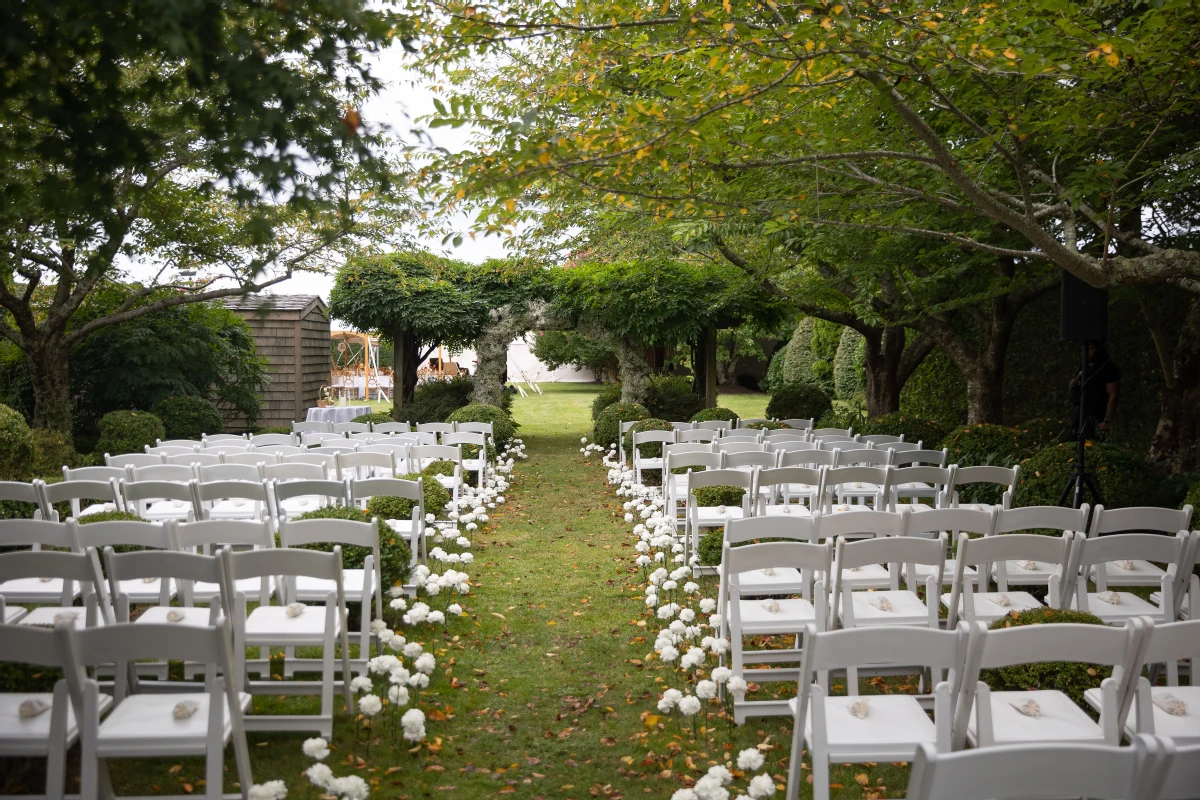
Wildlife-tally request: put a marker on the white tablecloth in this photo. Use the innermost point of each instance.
(336, 414)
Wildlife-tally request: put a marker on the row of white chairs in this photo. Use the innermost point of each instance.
(282, 442)
(826, 438)
(389, 427)
(858, 728)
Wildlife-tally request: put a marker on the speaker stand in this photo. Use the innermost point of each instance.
(1079, 478)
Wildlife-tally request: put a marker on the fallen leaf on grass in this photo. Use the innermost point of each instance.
(861, 779)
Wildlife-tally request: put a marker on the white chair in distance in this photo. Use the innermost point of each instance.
(390, 427)
(182, 569)
(785, 491)
(435, 427)
(102, 496)
(927, 458)
(850, 488)
(132, 460)
(34, 589)
(412, 529)
(853, 729)
(94, 473)
(477, 463)
(1030, 572)
(645, 440)
(194, 459)
(698, 518)
(1047, 716)
(880, 439)
(920, 487)
(51, 733)
(148, 724)
(1117, 550)
(832, 527)
(312, 427)
(233, 500)
(1052, 769)
(209, 439)
(264, 439)
(365, 465)
(970, 599)
(129, 533)
(255, 458)
(749, 613)
(930, 523)
(1002, 476)
(421, 456)
(67, 569)
(891, 606)
(798, 424)
(675, 484)
(291, 624)
(160, 500)
(289, 498)
(715, 425)
(695, 436)
(1137, 571)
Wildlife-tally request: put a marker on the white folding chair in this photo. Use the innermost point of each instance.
(390, 427)
(486, 428)
(901, 447)
(321, 438)
(231, 472)
(293, 498)
(970, 598)
(189, 443)
(327, 461)
(851, 488)
(739, 445)
(103, 496)
(68, 569)
(169, 450)
(693, 436)
(1138, 572)
(717, 425)
(160, 501)
(646, 440)
(132, 460)
(208, 536)
(274, 626)
(1180, 776)
(699, 518)
(929, 458)
(276, 450)
(230, 448)
(363, 437)
(930, 523)
(127, 533)
(177, 473)
(264, 439)
(780, 578)
(183, 570)
(750, 614)
(93, 473)
(830, 527)
(312, 427)
(190, 459)
(223, 438)
(334, 448)
(146, 724)
(675, 485)
(798, 424)
(986, 718)
(435, 427)
(1116, 551)
(807, 457)
(1031, 572)
(360, 584)
(34, 589)
(891, 727)
(411, 530)
(256, 457)
(233, 500)
(51, 733)
(422, 455)
(845, 433)
(476, 463)
(787, 490)
(1005, 477)
(293, 472)
(1049, 769)
(751, 461)
(920, 483)
(891, 606)
(880, 439)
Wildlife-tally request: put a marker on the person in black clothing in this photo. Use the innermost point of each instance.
(1098, 393)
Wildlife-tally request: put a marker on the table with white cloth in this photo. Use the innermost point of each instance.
(336, 414)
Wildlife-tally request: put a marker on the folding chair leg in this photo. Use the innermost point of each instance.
(89, 772)
(820, 770)
(56, 758)
(794, 773)
(327, 675)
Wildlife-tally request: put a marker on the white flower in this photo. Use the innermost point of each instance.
(399, 675)
(684, 794)
(316, 748)
(419, 681)
(706, 690)
(761, 786)
(398, 695)
(413, 649)
(455, 609)
(413, 723)
(361, 684)
(319, 775)
(399, 604)
(737, 686)
(668, 653)
(721, 773)
(425, 664)
(370, 705)
(710, 788)
(691, 587)
(271, 790)
(708, 605)
(583, 440)
(670, 699)
(436, 617)
(687, 615)
(750, 759)
(628, 517)
(350, 787)
(689, 706)
(722, 674)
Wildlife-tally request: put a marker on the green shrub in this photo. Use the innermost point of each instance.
(395, 556)
(718, 413)
(1039, 433)
(188, 417)
(1123, 477)
(16, 446)
(129, 432)
(712, 545)
(273, 429)
(1192, 498)
(914, 429)
(111, 516)
(375, 417)
(51, 452)
(436, 495)
(433, 401)
(1067, 677)
(651, 449)
(609, 393)
(671, 397)
(503, 426)
(712, 496)
(774, 377)
(984, 444)
(797, 367)
(848, 378)
(852, 418)
(605, 431)
(936, 390)
(798, 401)
(766, 425)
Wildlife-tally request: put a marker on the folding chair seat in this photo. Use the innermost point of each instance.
(360, 584)
(891, 606)
(909, 458)
(160, 501)
(275, 626)
(68, 569)
(104, 496)
(970, 598)
(1040, 770)
(233, 499)
(125, 533)
(748, 615)
(995, 717)
(675, 485)
(850, 488)
(264, 439)
(411, 530)
(798, 424)
(966, 476)
(145, 724)
(52, 733)
(700, 517)
(1167, 644)
(1114, 607)
(478, 462)
(390, 427)
(132, 460)
(1138, 571)
(289, 498)
(312, 427)
(34, 589)
(922, 487)
(929, 524)
(787, 490)
(197, 458)
(644, 446)
(894, 725)
(695, 435)
(831, 527)
(718, 425)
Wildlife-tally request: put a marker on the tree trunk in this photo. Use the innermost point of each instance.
(49, 371)
(634, 370)
(1177, 437)
(699, 364)
(889, 360)
(710, 368)
(492, 349)
(408, 358)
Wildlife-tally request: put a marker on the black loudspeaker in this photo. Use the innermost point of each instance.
(1083, 314)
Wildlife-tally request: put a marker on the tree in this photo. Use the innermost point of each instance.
(559, 348)
(213, 137)
(417, 300)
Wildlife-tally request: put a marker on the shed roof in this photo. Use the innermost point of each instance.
(274, 302)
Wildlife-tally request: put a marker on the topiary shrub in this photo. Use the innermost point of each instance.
(936, 390)
(433, 401)
(1192, 498)
(273, 429)
(671, 397)
(797, 366)
(609, 393)
(375, 417)
(395, 556)
(110, 516)
(503, 426)
(850, 418)
(1123, 477)
(1070, 678)
(718, 413)
(129, 432)
(712, 545)
(605, 431)
(976, 445)
(798, 401)
(914, 429)
(1039, 433)
(16, 446)
(774, 377)
(712, 496)
(186, 417)
(651, 449)
(848, 378)
(766, 425)
(51, 452)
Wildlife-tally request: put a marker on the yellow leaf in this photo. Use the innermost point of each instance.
(551, 622)
(728, 26)
(929, 24)
(861, 779)
(1106, 48)
(1010, 53)
(652, 720)
(827, 24)
(838, 9)
(1112, 59)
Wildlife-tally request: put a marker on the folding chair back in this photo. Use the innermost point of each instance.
(798, 424)
(892, 550)
(47, 735)
(1180, 776)
(37, 533)
(717, 425)
(1142, 519)
(1173, 642)
(293, 472)
(229, 472)
(415, 438)
(123, 533)
(188, 459)
(186, 569)
(913, 483)
(782, 481)
(203, 535)
(210, 495)
(1030, 518)
(420, 454)
(880, 439)
(736, 436)
(746, 422)
(773, 437)
(1003, 476)
(691, 458)
(933, 458)
(132, 460)
(750, 460)
(695, 436)
(857, 481)
(251, 458)
(338, 531)
(719, 477)
(334, 448)
(935, 520)
(327, 461)
(169, 450)
(105, 493)
(856, 525)
(320, 437)
(901, 447)
(287, 563)
(790, 445)
(140, 495)
(868, 457)
(474, 427)
(798, 528)
(366, 488)
(224, 438)
(20, 492)
(731, 447)
(844, 433)
(435, 427)
(680, 448)
(682, 426)
(981, 554)
(93, 473)
(276, 450)
(264, 439)
(354, 465)
(390, 427)
(326, 492)
(176, 473)
(312, 427)
(81, 568)
(191, 444)
(837, 443)
(228, 448)
(363, 437)
(809, 458)
(352, 427)
(464, 438)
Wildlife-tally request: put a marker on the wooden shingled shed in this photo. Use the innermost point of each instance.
(292, 331)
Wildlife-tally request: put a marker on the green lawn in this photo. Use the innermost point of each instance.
(546, 686)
